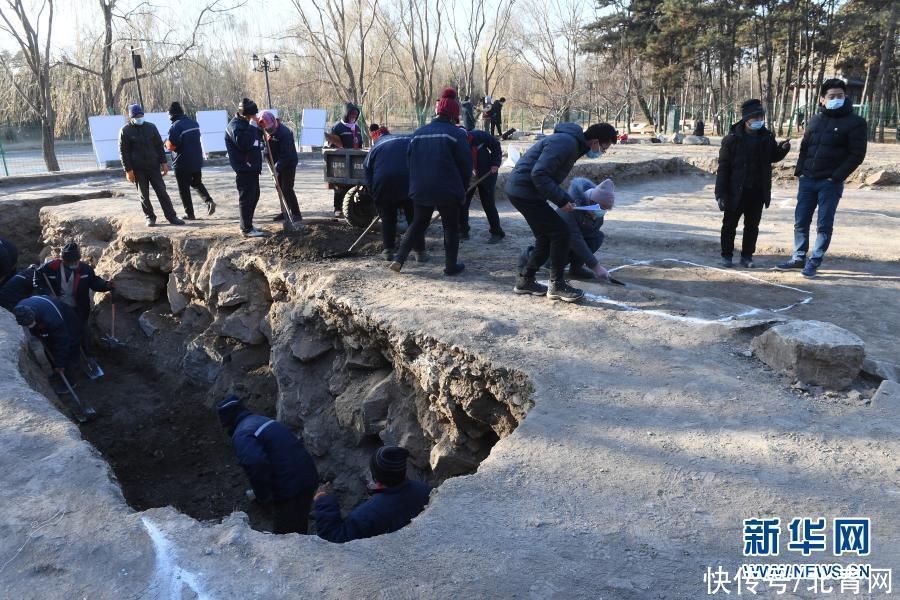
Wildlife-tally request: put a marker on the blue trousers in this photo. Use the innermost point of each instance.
(824, 195)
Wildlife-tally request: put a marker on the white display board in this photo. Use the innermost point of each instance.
(105, 136)
(212, 130)
(312, 127)
(162, 122)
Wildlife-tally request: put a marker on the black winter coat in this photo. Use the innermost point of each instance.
(141, 147)
(284, 152)
(85, 281)
(59, 328)
(387, 172)
(486, 150)
(538, 174)
(351, 137)
(17, 288)
(184, 135)
(833, 145)
(274, 459)
(440, 164)
(244, 144)
(735, 160)
(387, 511)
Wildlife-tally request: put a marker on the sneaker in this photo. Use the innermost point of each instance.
(527, 285)
(746, 263)
(338, 214)
(150, 221)
(794, 263)
(254, 233)
(582, 272)
(176, 221)
(496, 238)
(388, 254)
(563, 291)
(809, 271)
(455, 269)
(396, 266)
(210, 208)
(421, 256)
(726, 262)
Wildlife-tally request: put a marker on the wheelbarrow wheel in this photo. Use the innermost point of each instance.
(359, 208)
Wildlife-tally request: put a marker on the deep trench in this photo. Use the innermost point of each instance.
(343, 389)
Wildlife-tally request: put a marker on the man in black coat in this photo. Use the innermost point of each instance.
(497, 117)
(71, 281)
(487, 156)
(144, 160)
(56, 325)
(395, 501)
(243, 140)
(744, 179)
(276, 462)
(17, 288)
(187, 159)
(833, 146)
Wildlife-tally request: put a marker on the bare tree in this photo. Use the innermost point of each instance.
(339, 33)
(497, 51)
(466, 39)
(551, 52)
(25, 30)
(172, 51)
(884, 70)
(414, 42)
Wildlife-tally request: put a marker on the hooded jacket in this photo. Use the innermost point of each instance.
(284, 152)
(833, 145)
(584, 226)
(468, 114)
(351, 137)
(141, 147)
(58, 326)
(274, 459)
(244, 144)
(184, 135)
(387, 172)
(85, 280)
(538, 174)
(440, 164)
(736, 163)
(387, 511)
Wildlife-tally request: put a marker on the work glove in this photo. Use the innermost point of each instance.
(722, 203)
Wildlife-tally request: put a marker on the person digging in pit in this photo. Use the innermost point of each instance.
(57, 326)
(281, 471)
(395, 501)
(71, 281)
(17, 288)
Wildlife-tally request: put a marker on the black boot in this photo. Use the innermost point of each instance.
(560, 290)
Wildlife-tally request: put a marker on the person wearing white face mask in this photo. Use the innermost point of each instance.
(744, 179)
(144, 160)
(833, 146)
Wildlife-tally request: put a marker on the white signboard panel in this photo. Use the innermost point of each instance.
(162, 122)
(312, 127)
(212, 130)
(105, 136)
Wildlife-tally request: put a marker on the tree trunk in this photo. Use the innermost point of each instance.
(48, 144)
(887, 54)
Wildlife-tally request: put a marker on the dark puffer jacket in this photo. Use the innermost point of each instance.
(538, 174)
(284, 152)
(58, 326)
(487, 150)
(389, 510)
(17, 288)
(141, 147)
(244, 144)
(351, 137)
(440, 164)
(184, 134)
(833, 145)
(387, 174)
(85, 281)
(735, 159)
(274, 459)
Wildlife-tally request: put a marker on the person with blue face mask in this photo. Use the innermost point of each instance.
(744, 179)
(144, 160)
(833, 146)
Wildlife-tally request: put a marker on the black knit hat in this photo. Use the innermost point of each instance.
(752, 108)
(175, 109)
(70, 251)
(247, 108)
(228, 409)
(388, 465)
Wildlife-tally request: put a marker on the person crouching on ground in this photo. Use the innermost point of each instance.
(535, 179)
(744, 179)
(276, 462)
(387, 177)
(585, 237)
(440, 166)
(395, 501)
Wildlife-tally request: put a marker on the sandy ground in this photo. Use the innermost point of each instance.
(652, 437)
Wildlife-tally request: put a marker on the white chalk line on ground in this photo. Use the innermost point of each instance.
(36, 527)
(697, 320)
(168, 578)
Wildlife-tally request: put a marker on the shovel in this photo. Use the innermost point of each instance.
(287, 224)
(91, 366)
(84, 410)
(349, 250)
(111, 341)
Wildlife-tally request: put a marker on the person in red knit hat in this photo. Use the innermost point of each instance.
(440, 166)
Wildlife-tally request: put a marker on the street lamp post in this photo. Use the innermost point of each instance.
(266, 65)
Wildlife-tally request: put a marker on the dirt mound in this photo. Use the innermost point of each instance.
(321, 239)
